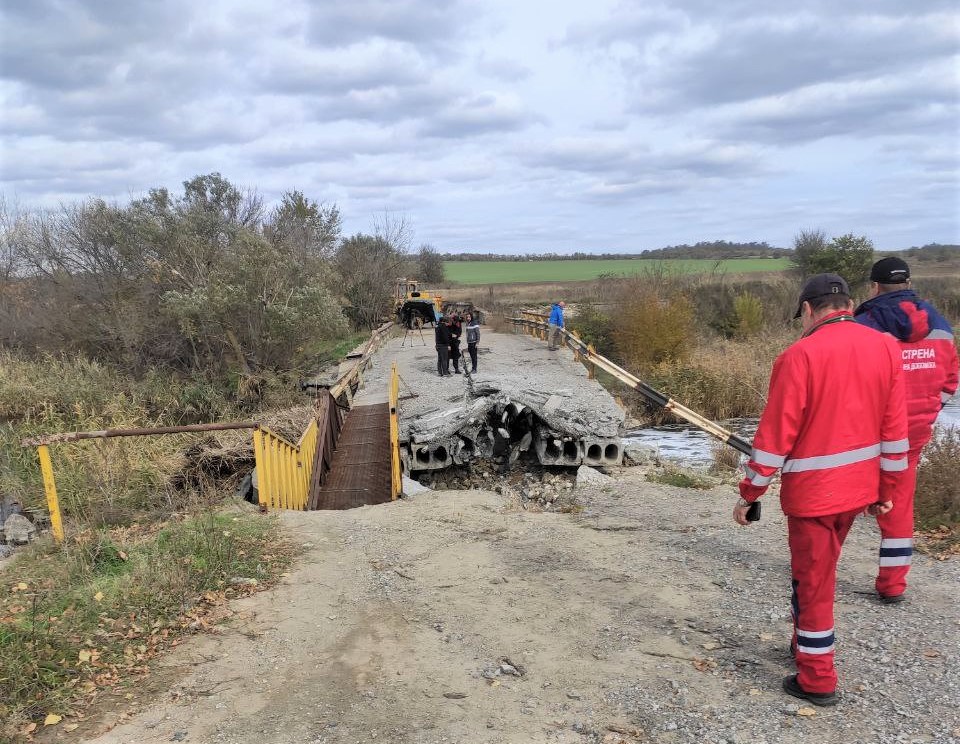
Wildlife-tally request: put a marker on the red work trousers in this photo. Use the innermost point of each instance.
(815, 544)
(896, 534)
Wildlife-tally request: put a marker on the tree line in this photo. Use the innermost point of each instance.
(208, 278)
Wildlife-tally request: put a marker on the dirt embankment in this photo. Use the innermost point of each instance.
(647, 617)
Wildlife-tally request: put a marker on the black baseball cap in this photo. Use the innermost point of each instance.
(821, 285)
(890, 270)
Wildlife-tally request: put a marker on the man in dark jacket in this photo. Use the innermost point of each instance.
(456, 330)
(442, 340)
(930, 370)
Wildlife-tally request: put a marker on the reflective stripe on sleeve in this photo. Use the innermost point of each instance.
(823, 462)
(756, 479)
(768, 458)
(894, 447)
(892, 466)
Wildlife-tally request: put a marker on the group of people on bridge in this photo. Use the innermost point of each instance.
(448, 333)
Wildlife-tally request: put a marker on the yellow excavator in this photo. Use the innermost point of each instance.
(415, 307)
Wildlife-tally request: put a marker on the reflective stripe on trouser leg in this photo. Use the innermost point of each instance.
(815, 544)
(896, 532)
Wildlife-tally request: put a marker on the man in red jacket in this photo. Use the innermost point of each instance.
(930, 370)
(836, 424)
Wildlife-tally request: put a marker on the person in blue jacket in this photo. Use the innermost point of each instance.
(555, 324)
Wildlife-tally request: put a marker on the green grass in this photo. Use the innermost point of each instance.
(88, 618)
(510, 272)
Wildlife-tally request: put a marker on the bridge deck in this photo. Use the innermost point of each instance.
(360, 469)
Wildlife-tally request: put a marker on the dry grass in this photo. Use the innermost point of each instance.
(87, 618)
(937, 500)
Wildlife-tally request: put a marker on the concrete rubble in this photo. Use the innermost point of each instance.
(523, 402)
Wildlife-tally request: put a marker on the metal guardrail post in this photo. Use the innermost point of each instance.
(50, 487)
(396, 484)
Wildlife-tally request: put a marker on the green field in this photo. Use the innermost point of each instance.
(510, 272)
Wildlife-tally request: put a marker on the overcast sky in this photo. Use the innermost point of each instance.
(503, 125)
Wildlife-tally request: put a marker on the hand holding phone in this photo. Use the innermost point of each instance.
(753, 513)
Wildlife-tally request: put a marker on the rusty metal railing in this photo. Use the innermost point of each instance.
(288, 475)
(534, 324)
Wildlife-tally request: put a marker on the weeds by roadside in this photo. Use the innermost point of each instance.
(85, 619)
(937, 500)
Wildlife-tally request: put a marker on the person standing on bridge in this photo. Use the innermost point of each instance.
(473, 338)
(930, 369)
(442, 340)
(456, 330)
(836, 424)
(555, 325)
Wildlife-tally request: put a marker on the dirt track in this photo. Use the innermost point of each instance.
(649, 616)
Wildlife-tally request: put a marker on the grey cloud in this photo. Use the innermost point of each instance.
(61, 44)
(480, 114)
(629, 161)
(504, 70)
(358, 69)
(435, 26)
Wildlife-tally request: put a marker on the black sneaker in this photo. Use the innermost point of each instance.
(792, 687)
(892, 598)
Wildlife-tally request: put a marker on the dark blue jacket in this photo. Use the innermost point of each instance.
(928, 352)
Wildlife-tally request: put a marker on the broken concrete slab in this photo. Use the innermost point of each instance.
(523, 399)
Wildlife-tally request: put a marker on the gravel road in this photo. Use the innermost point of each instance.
(648, 616)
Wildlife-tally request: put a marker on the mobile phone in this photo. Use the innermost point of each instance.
(753, 513)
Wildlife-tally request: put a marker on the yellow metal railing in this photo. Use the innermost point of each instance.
(396, 485)
(284, 470)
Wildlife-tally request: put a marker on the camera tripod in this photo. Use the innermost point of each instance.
(418, 323)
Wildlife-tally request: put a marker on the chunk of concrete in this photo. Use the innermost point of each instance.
(587, 477)
(18, 530)
(410, 487)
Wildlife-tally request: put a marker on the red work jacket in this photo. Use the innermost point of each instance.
(835, 422)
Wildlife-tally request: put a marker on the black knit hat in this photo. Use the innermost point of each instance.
(822, 285)
(890, 270)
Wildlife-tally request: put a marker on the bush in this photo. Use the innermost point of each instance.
(655, 324)
(849, 255)
(748, 312)
(593, 327)
(937, 500)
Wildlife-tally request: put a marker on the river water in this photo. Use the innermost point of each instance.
(693, 448)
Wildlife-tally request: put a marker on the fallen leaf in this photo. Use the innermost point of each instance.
(494, 682)
(83, 656)
(70, 726)
(710, 645)
(29, 728)
(98, 596)
(52, 719)
(766, 636)
(806, 712)
(754, 691)
(931, 653)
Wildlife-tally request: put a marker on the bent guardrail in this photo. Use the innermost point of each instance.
(536, 326)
